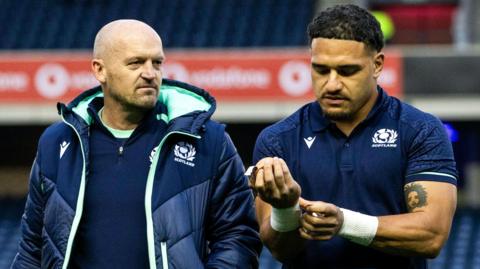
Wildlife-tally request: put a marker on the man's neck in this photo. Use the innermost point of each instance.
(346, 127)
(120, 119)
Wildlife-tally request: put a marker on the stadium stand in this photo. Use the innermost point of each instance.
(463, 246)
(10, 214)
(72, 24)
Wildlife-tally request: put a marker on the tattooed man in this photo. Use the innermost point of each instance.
(356, 179)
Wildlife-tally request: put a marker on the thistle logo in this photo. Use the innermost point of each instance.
(184, 153)
(384, 138)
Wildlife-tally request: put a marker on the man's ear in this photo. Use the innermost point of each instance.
(378, 61)
(98, 69)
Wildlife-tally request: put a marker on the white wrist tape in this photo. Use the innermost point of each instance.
(357, 227)
(285, 219)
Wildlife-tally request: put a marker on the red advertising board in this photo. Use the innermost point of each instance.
(239, 75)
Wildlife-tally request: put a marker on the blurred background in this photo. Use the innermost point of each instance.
(252, 55)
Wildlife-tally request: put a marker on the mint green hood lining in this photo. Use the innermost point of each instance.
(178, 101)
(82, 108)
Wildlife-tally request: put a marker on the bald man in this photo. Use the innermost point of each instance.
(136, 175)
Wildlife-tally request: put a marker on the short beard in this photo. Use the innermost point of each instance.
(131, 105)
(339, 116)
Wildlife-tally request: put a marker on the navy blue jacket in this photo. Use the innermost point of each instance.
(199, 209)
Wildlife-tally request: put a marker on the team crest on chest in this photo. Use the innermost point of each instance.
(184, 153)
(385, 138)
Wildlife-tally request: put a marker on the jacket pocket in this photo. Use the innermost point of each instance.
(163, 246)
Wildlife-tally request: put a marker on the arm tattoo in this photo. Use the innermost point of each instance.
(415, 196)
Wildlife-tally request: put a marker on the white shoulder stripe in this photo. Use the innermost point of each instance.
(435, 173)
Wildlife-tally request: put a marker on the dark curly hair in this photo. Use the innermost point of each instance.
(347, 22)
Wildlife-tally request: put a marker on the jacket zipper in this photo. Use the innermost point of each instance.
(148, 203)
(79, 207)
(163, 246)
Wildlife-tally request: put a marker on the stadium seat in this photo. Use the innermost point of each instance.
(72, 24)
(10, 214)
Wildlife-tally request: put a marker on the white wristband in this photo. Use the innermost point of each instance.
(285, 219)
(357, 227)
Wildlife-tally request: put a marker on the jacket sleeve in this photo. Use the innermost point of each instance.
(29, 251)
(232, 230)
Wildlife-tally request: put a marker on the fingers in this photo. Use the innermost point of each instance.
(264, 181)
(321, 221)
(318, 227)
(269, 177)
(313, 236)
(274, 183)
(286, 172)
(304, 203)
(279, 173)
(318, 207)
(260, 185)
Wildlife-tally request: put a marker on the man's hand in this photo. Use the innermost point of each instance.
(274, 184)
(321, 221)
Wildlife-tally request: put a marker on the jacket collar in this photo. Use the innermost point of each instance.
(187, 107)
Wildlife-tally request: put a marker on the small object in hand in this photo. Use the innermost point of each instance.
(251, 170)
(317, 215)
(251, 173)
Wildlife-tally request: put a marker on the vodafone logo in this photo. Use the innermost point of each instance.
(227, 78)
(13, 81)
(52, 80)
(294, 78)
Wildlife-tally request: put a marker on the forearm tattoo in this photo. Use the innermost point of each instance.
(415, 196)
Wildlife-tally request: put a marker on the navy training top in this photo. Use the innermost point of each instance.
(112, 231)
(366, 172)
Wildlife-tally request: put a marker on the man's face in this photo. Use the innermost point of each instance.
(413, 199)
(344, 74)
(133, 72)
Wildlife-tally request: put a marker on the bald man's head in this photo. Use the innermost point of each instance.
(117, 31)
(127, 61)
